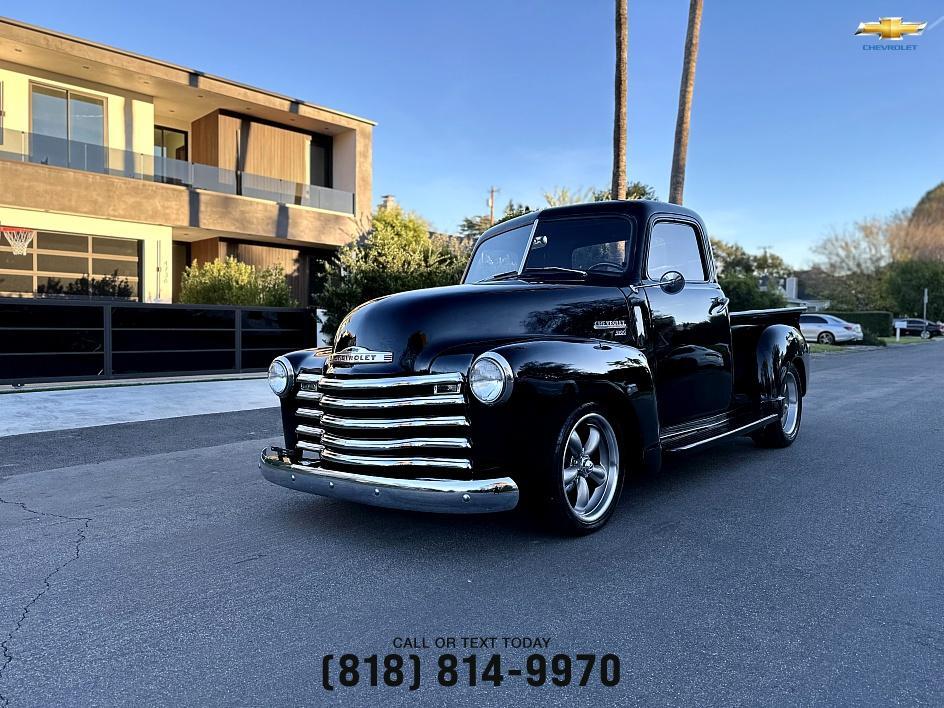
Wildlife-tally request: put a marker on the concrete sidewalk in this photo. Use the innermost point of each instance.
(37, 411)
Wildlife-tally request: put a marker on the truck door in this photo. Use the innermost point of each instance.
(690, 334)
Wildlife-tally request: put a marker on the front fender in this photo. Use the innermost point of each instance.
(778, 346)
(551, 379)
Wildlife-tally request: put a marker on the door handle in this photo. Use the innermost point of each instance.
(719, 304)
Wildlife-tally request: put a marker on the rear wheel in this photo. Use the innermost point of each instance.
(925, 334)
(583, 478)
(782, 432)
(826, 338)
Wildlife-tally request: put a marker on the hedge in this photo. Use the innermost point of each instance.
(874, 321)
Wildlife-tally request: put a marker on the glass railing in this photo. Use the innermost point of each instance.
(59, 152)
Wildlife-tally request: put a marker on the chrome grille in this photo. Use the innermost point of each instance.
(391, 423)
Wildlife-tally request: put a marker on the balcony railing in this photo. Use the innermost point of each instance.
(19, 146)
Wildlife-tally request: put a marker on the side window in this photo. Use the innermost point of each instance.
(674, 246)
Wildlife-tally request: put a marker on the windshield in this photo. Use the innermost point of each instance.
(499, 254)
(566, 248)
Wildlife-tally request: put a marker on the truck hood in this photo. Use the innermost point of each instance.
(417, 326)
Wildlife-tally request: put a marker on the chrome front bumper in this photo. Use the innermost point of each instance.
(436, 495)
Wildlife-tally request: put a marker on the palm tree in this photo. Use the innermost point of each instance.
(618, 188)
(683, 120)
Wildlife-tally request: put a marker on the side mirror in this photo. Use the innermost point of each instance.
(672, 282)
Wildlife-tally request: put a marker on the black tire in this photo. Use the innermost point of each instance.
(783, 431)
(557, 507)
(826, 338)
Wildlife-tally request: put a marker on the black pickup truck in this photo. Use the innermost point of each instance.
(584, 342)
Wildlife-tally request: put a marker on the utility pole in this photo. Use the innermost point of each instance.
(925, 317)
(492, 191)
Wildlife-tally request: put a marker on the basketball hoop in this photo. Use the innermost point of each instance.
(19, 239)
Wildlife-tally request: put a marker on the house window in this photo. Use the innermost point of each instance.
(68, 129)
(320, 161)
(61, 264)
(170, 155)
(170, 143)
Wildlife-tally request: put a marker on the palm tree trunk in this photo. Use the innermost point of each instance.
(687, 88)
(618, 187)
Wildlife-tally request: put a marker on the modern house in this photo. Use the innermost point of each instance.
(130, 168)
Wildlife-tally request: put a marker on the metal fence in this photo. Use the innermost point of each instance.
(68, 340)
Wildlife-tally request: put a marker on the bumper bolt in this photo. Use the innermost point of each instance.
(376, 492)
(331, 485)
(466, 498)
(293, 478)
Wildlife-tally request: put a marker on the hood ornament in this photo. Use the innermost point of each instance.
(360, 355)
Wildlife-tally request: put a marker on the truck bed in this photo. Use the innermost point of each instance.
(780, 315)
(746, 328)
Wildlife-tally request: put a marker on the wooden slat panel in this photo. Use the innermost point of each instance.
(205, 139)
(294, 263)
(265, 150)
(206, 251)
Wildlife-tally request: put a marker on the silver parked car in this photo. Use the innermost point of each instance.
(829, 329)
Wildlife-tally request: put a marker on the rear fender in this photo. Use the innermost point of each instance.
(778, 346)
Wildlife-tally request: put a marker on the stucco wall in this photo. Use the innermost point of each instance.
(129, 118)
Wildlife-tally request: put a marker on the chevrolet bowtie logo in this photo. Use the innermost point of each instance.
(891, 28)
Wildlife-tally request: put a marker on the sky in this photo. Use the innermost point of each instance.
(796, 129)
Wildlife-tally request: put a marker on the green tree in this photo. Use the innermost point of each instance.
(905, 283)
(740, 272)
(731, 258)
(396, 253)
(745, 293)
(562, 196)
(473, 226)
(231, 282)
(513, 209)
(635, 190)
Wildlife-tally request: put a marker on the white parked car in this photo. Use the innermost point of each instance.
(829, 329)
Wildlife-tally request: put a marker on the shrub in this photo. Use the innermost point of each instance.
(397, 253)
(231, 282)
(877, 322)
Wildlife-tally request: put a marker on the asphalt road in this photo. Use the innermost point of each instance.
(150, 564)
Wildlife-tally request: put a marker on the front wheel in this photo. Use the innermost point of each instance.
(782, 432)
(826, 338)
(583, 478)
(925, 335)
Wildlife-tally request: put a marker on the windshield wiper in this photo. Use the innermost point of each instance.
(555, 270)
(501, 276)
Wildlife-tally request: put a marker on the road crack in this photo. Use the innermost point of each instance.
(7, 654)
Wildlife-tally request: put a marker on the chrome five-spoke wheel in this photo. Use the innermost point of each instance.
(782, 432)
(790, 415)
(591, 467)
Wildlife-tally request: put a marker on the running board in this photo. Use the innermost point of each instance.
(741, 430)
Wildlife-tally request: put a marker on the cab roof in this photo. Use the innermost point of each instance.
(641, 209)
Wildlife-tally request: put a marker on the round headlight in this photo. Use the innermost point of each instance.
(281, 376)
(490, 378)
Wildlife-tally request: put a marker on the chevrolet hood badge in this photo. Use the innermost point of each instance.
(360, 355)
